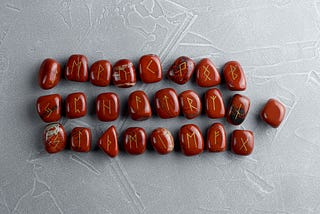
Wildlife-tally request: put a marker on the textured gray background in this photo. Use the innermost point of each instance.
(276, 41)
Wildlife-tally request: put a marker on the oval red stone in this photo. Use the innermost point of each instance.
(207, 74)
(80, 139)
(76, 105)
(238, 109)
(242, 142)
(100, 73)
(54, 138)
(234, 76)
(124, 74)
(214, 104)
(216, 138)
(49, 74)
(49, 107)
(77, 68)
(108, 142)
(162, 140)
(181, 70)
(190, 104)
(150, 68)
(273, 113)
(135, 140)
(139, 106)
(191, 140)
(166, 103)
(107, 106)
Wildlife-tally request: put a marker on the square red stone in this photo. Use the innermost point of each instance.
(80, 139)
(49, 107)
(273, 113)
(242, 142)
(76, 105)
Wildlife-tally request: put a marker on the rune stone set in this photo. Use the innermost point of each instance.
(167, 104)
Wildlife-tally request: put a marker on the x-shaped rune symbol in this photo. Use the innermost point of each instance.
(244, 144)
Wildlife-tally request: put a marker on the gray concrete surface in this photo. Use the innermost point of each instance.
(276, 41)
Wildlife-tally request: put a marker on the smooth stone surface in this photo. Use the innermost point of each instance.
(190, 104)
(162, 141)
(54, 138)
(234, 76)
(77, 68)
(76, 105)
(181, 70)
(273, 113)
(49, 107)
(214, 105)
(107, 106)
(191, 140)
(150, 68)
(80, 139)
(100, 73)
(49, 74)
(207, 74)
(242, 142)
(216, 138)
(108, 142)
(238, 109)
(124, 74)
(139, 105)
(135, 140)
(166, 103)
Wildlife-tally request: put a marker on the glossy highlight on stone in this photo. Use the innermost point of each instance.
(273, 113)
(76, 105)
(108, 142)
(181, 70)
(242, 142)
(234, 76)
(238, 109)
(77, 68)
(54, 138)
(80, 139)
(166, 103)
(191, 140)
(162, 140)
(139, 106)
(135, 140)
(214, 105)
(124, 74)
(207, 74)
(49, 107)
(107, 106)
(100, 73)
(190, 104)
(150, 68)
(49, 74)
(216, 138)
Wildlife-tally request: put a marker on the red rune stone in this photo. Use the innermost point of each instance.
(181, 70)
(273, 112)
(190, 104)
(77, 68)
(166, 103)
(234, 76)
(107, 106)
(124, 74)
(150, 68)
(76, 105)
(214, 104)
(206, 74)
(135, 140)
(54, 138)
(242, 142)
(162, 140)
(216, 138)
(49, 107)
(100, 73)
(108, 142)
(80, 139)
(191, 140)
(139, 106)
(49, 74)
(238, 109)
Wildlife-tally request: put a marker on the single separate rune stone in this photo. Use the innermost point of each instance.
(242, 142)
(234, 76)
(214, 105)
(100, 73)
(273, 113)
(191, 140)
(107, 106)
(207, 74)
(108, 142)
(190, 104)
(76, 105)
(80, 140)
(124, 74)
(238, 109)
(49, 74)
(166, 103)
(77, 68)
(139, 106)
(150, 68)
(216, 138)
(135, 140)
(54, 138)
(162, 140)
(49, 107)
(181, 70)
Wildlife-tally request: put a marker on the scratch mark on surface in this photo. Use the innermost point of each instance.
(258, 181)
(12, 7)
(85, 163)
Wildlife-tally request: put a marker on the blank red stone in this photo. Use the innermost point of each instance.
(214, 105)
(80, 139)
(162, 140)
(54, 138)
(135, 140)
(242, 142)
(234, 76)
(107, 106)
(100, 73)
(216, 138)
(49, 74)
(139, 106)
(76, 105)
(77, 68)
(108, 142)
(191, 140)
(124, 74)
(49, 107)
(238, 109)
(273, 113)
(207, 74)
(181, 70)
(166, 103)
(150, 68)
(190, 104)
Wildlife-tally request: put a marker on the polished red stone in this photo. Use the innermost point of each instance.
(191, 140)
(54, 138)
(108, 142)
(124, 74)
(49, 107)
(214, 105)
(190, 104)
(135, 140)
(162, 140)
(80, 139)
(49, 74)
(216, 138)
(76, 105)
(234, 76)
(181, 70)
(107, 106)
(139, 106)
(150, 68)
(273, 112)
(100, 73)
(238, 109)
(242, 142)
(77, 68)
(207, 74)
(166, 103)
